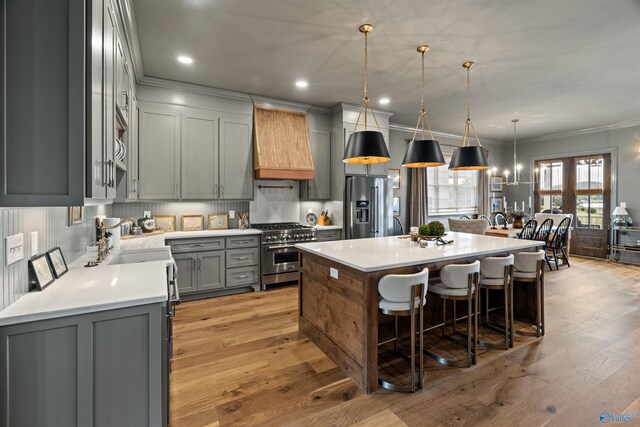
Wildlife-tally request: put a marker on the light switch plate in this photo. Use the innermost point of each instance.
(333, 272)
(34, 243)
(623, 204)
(14, 247)
(232, 214)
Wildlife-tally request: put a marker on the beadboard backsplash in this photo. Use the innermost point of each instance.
(136, 210)
(53, 230)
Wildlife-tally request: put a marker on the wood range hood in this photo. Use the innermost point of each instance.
(281, 145)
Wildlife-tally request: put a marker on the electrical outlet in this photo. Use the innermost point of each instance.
(34, 243)
(333, 272)
(147, 214)
(232, 214)
(14, 246)
(638, 242)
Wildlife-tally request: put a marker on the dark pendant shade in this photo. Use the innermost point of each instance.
(366, 147)
(423, 154)
(468, 159)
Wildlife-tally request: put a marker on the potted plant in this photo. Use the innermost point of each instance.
(517, 218)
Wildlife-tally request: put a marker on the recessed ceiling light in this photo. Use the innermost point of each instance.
(185, 60)
(302, 83)
(384, 101)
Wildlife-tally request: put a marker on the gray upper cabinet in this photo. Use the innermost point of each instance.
(194, 154)
(132, 154)
(236, 157)
(159, 153)
(320, 187)
(199, 155)
(42, 128)
(109, 43)
(122, 89)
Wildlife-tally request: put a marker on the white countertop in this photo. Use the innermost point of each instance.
(210, 233)
(327, 227)
(87, 290)
(383, 253)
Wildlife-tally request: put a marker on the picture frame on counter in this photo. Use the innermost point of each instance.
(394, 176)
(496, 183)
(76, 215)
(40, 271)
(218, 222)
(57, 262)
(192, 222)
(165, 222)
(396, 206)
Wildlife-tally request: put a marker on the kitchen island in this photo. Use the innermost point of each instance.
(338, 291)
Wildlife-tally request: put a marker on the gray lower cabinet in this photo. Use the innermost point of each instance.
(107, 368)
(210, 265)
(328, 235)
(200, 271)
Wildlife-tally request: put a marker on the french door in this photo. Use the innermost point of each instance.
(580, 186)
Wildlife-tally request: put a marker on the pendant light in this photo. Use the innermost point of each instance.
(469, 157)
(366, 147)
(424, 152)
(517, 167)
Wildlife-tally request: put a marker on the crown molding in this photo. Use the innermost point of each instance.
(130, 32)
(411, 129)
(188, 87)
(346, 106)
(597, 129)
(266, 101)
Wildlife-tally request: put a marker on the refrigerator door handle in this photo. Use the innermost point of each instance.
(374, 209)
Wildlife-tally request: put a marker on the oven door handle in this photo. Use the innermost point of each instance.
(280, 247)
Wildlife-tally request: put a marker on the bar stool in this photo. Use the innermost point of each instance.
(496, 273)
(405, 295)
(459, 282)
(529, 268)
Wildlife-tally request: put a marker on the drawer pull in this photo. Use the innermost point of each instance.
(242, 258)
(242, 242)
(200, 245)
(244, 276)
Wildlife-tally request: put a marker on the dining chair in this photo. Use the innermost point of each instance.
(529, 230)
(473, 226)
(542, 234)
(486, 218)
(559, 242)
(465, 217)
(398, 229)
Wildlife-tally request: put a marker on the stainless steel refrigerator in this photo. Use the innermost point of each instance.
(368, 207)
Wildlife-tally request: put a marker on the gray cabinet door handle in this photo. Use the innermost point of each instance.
(194, 261)
(177, 190)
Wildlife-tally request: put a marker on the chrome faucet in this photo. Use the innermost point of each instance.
(103, 248)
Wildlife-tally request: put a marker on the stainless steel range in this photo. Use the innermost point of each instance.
(279, 260)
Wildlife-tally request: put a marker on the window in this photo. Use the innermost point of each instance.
(589, 192)
(550, 186)
(452, 192)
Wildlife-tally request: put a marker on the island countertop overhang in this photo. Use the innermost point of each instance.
(383, 253)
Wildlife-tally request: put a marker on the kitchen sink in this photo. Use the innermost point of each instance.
(140, 255)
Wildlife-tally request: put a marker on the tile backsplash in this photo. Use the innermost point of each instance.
(53, 230)
(136, 210)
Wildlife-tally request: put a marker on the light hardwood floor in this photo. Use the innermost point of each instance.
(240, 360)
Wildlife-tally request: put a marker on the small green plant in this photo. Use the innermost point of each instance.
(424, 230)
(436, 228)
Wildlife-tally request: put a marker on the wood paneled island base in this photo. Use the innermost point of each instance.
(338, 304)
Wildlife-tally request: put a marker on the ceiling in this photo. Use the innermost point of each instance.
(559, 66)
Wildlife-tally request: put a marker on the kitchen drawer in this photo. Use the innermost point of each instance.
(243, 276)
(327, 235)
(243, 241)
(242, 257)
(195, 245)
